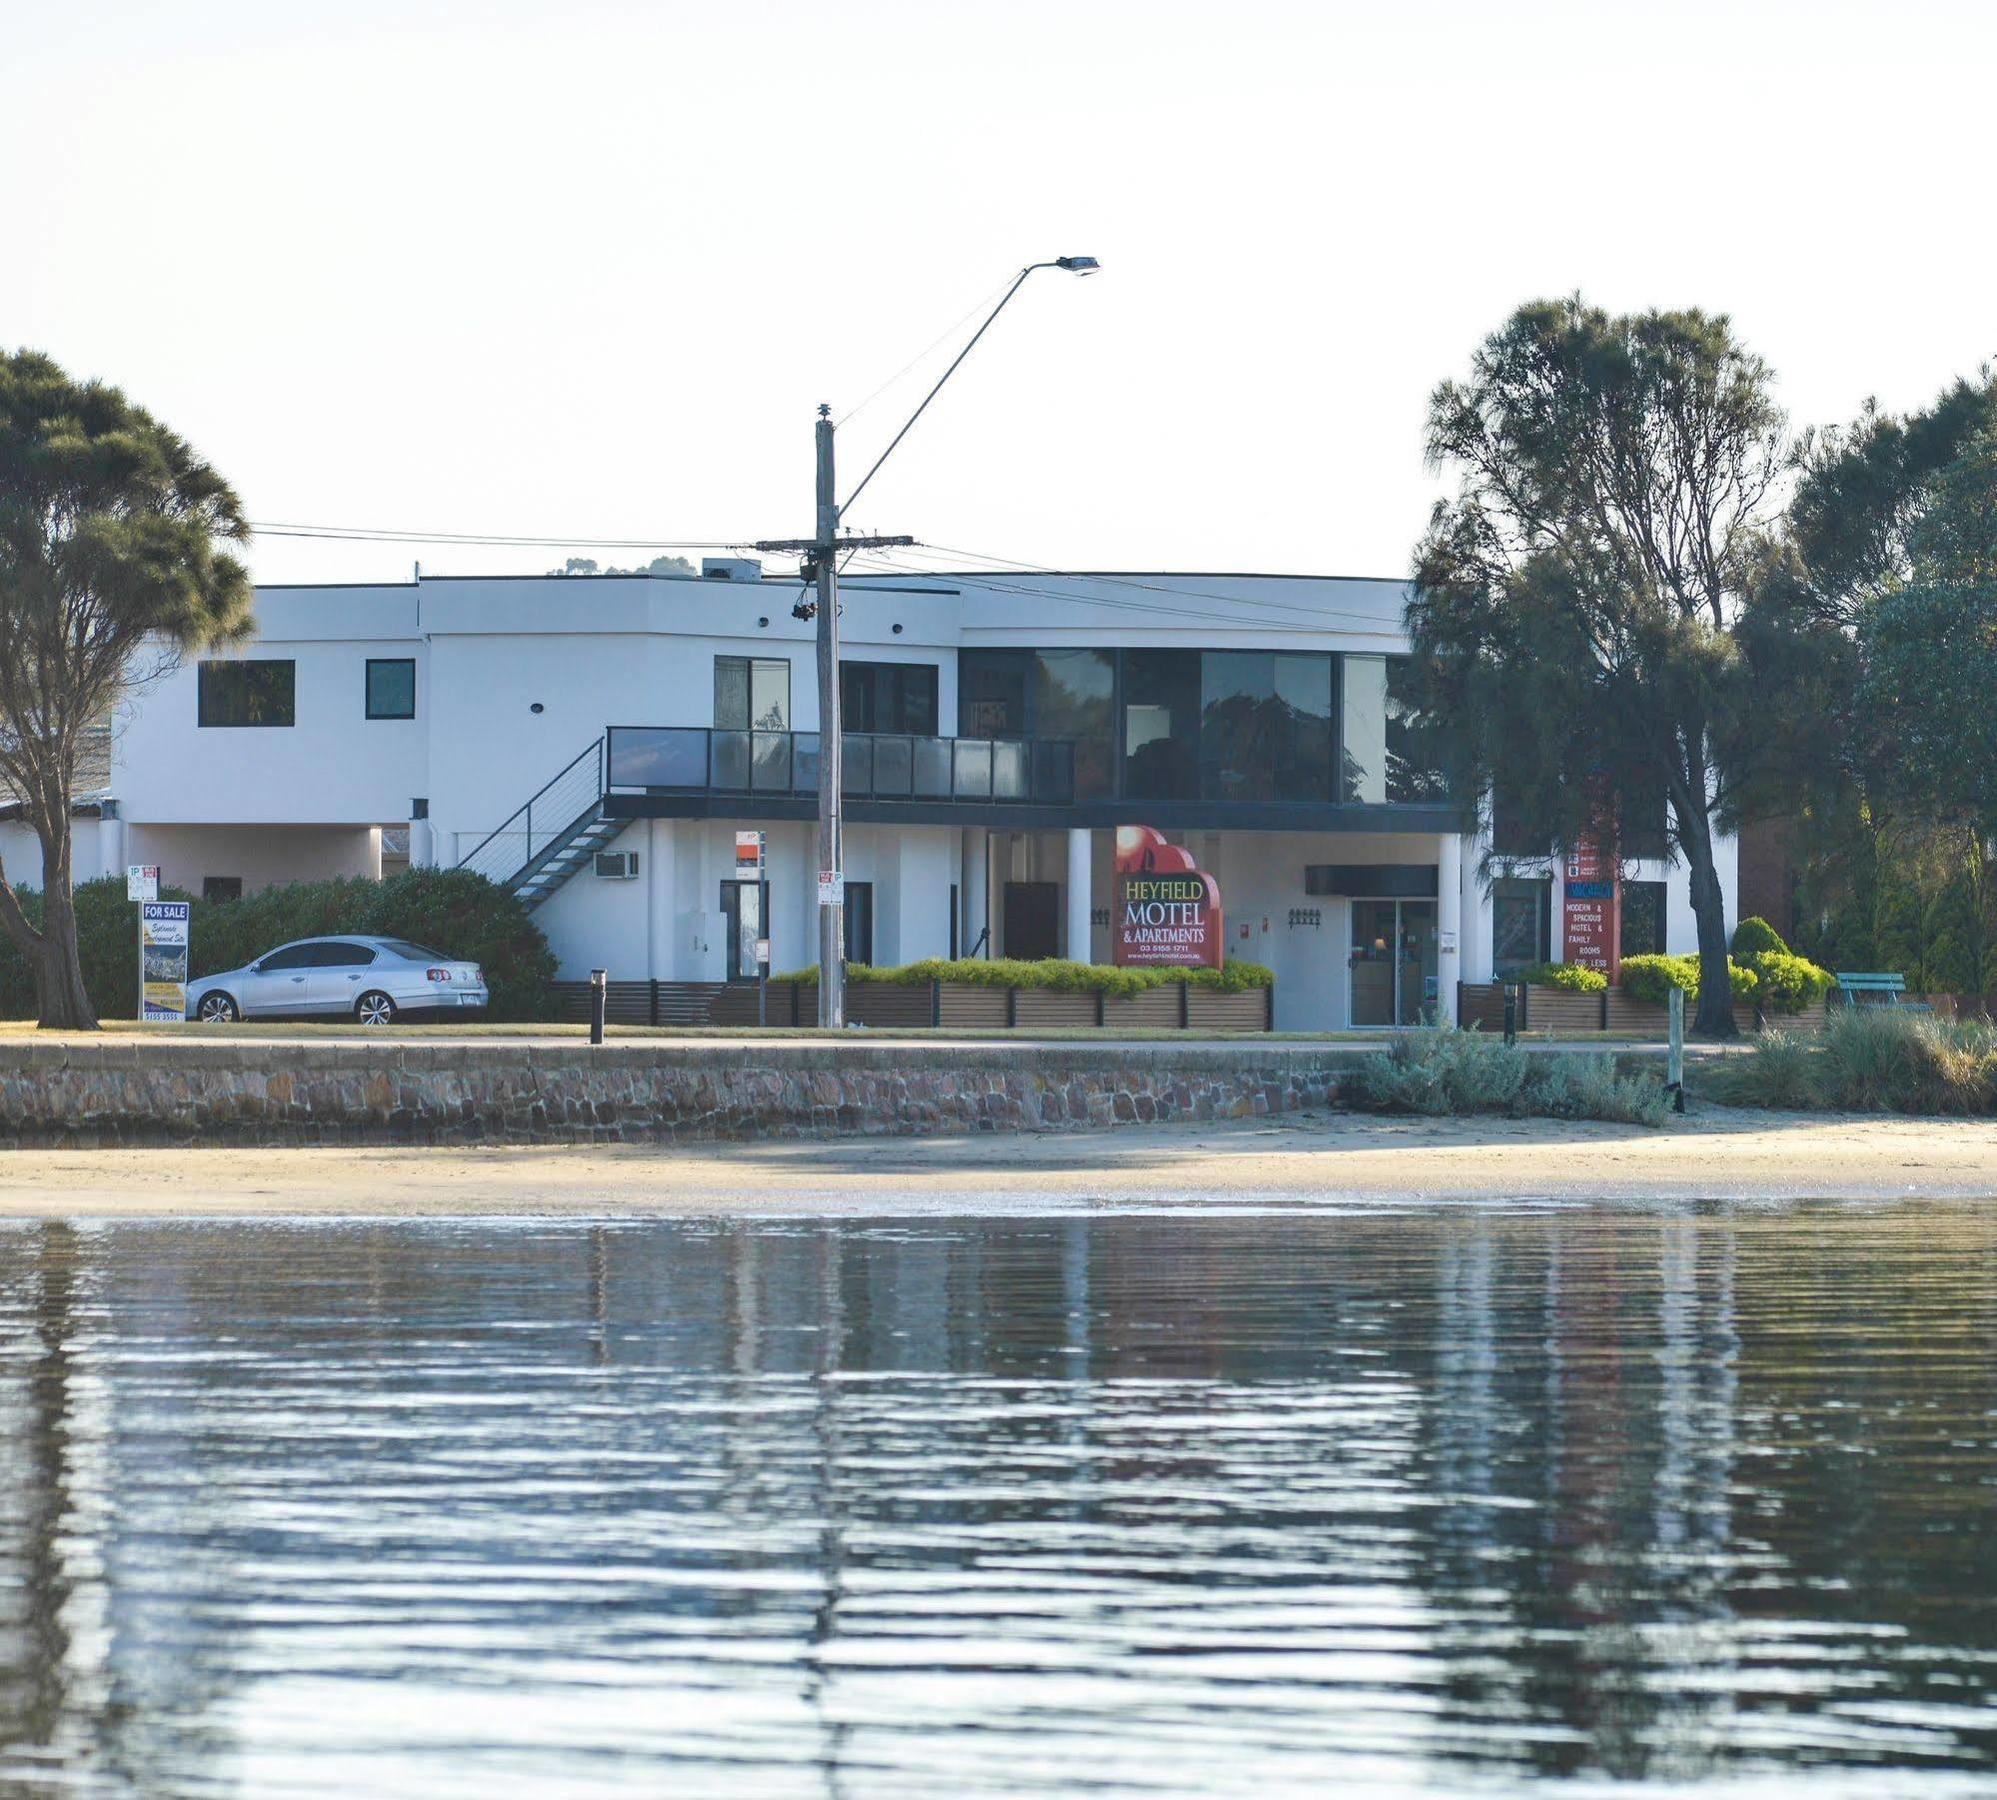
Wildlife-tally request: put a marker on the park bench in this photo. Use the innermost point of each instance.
(1860, 989)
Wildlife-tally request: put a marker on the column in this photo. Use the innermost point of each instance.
(111, 841)
(1449, 925)
(422, 840)
(1475, 941)
(661, 908)
(1081, 871)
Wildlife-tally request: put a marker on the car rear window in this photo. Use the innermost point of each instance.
(416, 952)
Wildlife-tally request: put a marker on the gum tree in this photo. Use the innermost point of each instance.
(1578, 603)
(113, 563)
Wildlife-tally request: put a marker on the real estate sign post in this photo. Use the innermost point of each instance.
(163, 946)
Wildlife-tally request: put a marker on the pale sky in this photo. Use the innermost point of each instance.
(585, 270)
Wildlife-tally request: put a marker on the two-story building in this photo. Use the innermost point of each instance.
(596, 743)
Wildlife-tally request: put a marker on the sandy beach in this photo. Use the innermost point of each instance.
(1312, 1160)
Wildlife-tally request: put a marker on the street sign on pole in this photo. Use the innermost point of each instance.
(831, 887)
(141, 881)
(748, 853)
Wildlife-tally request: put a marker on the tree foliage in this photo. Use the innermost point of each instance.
(1578, 603)
(113, 561)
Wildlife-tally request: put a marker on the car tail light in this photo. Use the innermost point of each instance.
(438, 974)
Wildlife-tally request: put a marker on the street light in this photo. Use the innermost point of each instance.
(821, 554)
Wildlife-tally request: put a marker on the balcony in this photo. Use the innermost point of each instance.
(777, 765)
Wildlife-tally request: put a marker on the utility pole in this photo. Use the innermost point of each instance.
(820, 553)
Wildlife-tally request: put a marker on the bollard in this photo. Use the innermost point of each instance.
(599, 998)
(1511, 1013)
(1674, 1056)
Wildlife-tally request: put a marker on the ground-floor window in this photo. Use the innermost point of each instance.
(1643, 918)
(745, 905)
(1521, 924)
(859, 922)
(221, 887)
(1032, 920)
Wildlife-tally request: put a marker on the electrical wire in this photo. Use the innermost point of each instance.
(395, 535)
(923, 355)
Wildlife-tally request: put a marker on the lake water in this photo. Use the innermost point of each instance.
(1282, 1503)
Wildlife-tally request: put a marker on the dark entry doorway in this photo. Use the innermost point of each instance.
(1032, 919)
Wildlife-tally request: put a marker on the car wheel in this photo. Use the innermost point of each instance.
(217, 1009)
(374, 1008)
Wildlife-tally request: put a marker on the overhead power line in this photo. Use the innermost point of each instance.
(360, 534)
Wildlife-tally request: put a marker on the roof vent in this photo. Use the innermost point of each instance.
(730, 568)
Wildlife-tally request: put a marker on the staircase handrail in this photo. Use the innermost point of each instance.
(524, 814)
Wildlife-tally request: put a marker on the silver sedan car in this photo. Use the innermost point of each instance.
(372, 979)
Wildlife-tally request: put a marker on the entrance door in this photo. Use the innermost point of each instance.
(744, 905)
(1032, 919)
(1393, 962)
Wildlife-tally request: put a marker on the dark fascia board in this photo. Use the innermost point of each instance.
(1014, 815)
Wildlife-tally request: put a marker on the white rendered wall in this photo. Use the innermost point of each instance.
(259, 855)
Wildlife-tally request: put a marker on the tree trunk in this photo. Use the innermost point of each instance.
(1715, 1017)
(63, 1000)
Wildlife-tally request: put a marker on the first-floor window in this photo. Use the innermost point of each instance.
(1521, 924)
(751, 693)
(860, 921)
(391, 687)
(744, 905)
(1643, 918)
(262, 691)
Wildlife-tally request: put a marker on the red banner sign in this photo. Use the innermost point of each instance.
(1592, 909)
(1167, 912)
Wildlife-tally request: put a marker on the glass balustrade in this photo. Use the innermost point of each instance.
(874, 765)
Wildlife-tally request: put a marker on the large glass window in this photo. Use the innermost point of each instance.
(1161, 720)
(1415, 770)
(261, 692)
(992, 686)
(1521, 924)
(1062, 696)
(1265, 725)
(894, 697)
(751, 694)
(1363, 734)
(1643, 918)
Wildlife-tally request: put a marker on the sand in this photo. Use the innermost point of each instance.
(1310, 1160)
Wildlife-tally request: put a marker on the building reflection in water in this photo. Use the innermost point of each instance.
(1201, 1504)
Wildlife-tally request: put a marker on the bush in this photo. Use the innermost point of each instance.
(1052, 975)
(1786, 983)
(1752, 936)
(1572, 978)
(1651, 978)
(450, 910)
(1868, 1059)
(1447, 1072)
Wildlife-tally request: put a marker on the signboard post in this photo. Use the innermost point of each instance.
(163, 947)
(1591, 909)
(1168, 912)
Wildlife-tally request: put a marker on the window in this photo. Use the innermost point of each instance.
(1161, 716)
(344, 956)
(1643, 918)
(1414, 750)
(1521, 924)
(1265, 725)
(892, 697)
(1057, 696)
(751, 694)
(391, 688)
(859, 921)
(1363, 729)
(292, 956)
(409, 952)
(744, 904)
(221, 887)
(263, 692)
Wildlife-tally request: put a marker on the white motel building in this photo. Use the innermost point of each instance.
(596, 742)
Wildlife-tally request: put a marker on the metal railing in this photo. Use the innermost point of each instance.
(693, 759)
(546, 819)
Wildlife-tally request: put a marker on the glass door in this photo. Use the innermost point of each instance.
(1393, 962)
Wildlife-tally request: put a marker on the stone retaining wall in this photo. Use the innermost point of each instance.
(132, 1091)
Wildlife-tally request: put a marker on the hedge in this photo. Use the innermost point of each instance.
(450, 910)
(1754, 935)
(1572, 978)
(1053, 975)
(1652, 978)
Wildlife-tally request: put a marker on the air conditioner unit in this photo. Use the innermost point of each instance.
(617, 865)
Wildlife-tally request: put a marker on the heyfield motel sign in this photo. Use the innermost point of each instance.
(1591, 908)
(1167, 912)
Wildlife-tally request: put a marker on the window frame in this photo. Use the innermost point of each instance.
(367, 686)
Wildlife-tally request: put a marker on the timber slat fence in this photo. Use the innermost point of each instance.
(1482, 1003)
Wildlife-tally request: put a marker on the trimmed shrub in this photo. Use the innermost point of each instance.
(1571, 978)
(1651, 978)
(449, 910)
(1752, 936)
(1448, 1071)
(1053, 975)
(1786, 983)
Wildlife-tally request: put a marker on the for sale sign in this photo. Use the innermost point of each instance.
(1591, 908)
(1167, 913)
(163, 947)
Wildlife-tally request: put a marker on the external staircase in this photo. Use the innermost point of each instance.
(558, 832)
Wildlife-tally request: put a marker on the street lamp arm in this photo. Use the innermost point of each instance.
(1058, 262)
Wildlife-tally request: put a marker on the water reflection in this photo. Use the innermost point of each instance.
(1118, 1504)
